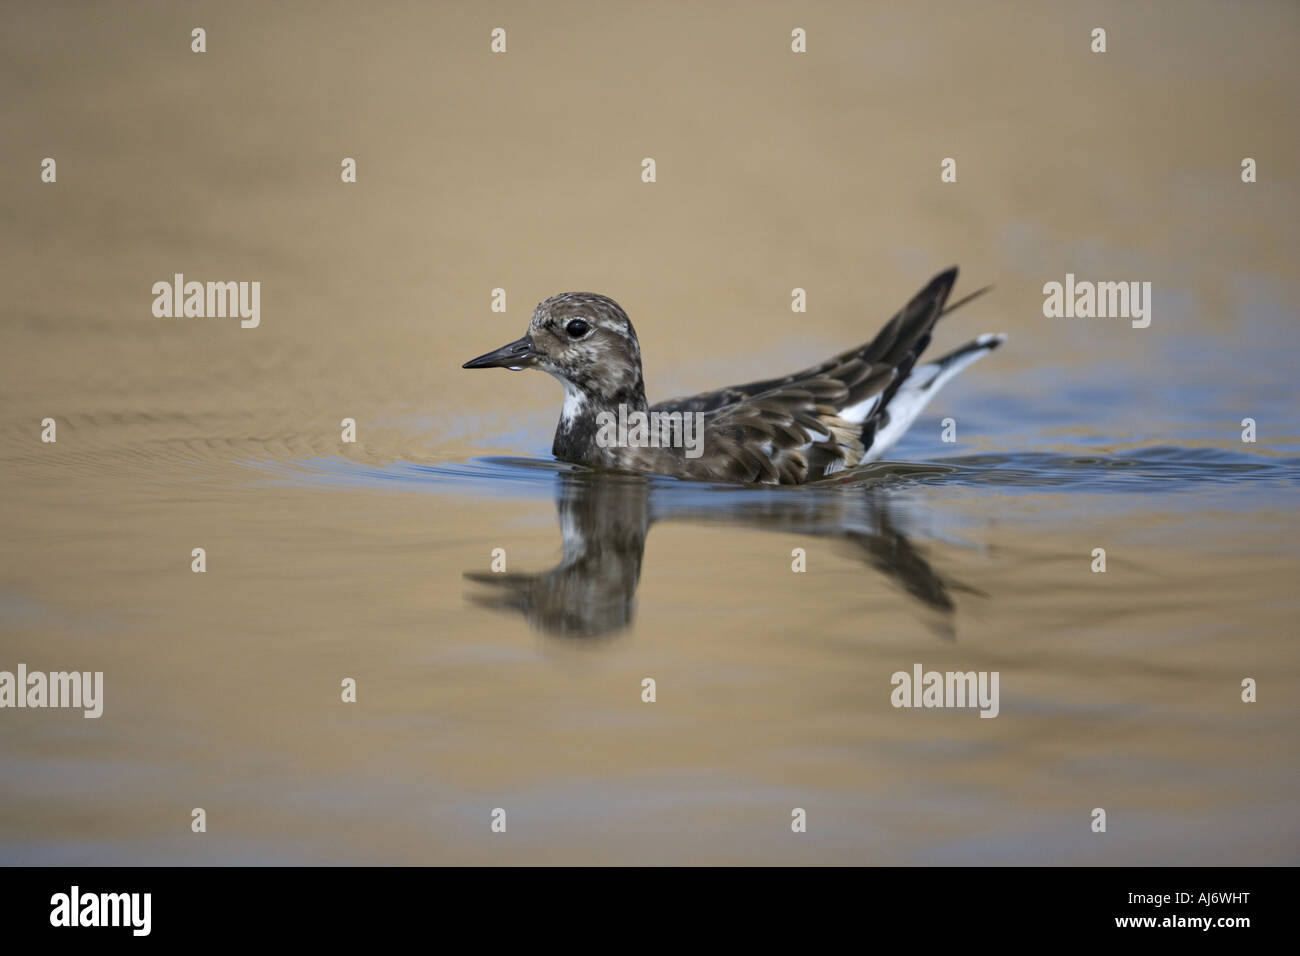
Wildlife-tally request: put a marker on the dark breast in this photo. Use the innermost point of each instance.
(575, 440)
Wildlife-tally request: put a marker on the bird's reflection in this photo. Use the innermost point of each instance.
(604, 520)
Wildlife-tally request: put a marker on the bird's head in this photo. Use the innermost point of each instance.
(586, 341)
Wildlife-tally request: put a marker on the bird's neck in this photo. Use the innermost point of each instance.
(581, 417)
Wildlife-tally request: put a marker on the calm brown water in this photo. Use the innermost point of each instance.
(522, 691)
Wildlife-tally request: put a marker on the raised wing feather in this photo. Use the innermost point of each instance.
(812, 423)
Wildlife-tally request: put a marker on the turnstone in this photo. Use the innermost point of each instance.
(789, 430)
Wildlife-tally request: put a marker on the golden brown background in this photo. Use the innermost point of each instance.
(522, 171)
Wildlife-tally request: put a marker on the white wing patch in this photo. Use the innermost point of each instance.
(859, 413)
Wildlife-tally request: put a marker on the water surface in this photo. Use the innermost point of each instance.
(522, 690)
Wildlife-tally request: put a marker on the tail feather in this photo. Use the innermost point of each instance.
(873, 372)
(866, 370)
(964, 299)
(913, 392)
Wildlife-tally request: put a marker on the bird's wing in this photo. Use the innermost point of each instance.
(907, 331)
(785, 435)
(810, 424)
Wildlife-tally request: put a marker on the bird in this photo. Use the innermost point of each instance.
(791, 430)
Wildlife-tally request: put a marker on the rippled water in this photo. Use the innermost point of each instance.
(521, 689)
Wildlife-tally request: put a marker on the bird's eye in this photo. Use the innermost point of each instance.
(577, 328)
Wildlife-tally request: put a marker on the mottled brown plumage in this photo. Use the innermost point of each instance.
(787, 430)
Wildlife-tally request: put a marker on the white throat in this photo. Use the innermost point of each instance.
(574, 399)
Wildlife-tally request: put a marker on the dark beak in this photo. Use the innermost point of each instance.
(516, 355)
